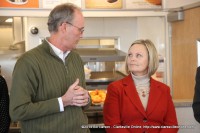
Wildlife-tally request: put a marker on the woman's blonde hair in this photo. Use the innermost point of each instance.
(152, 55)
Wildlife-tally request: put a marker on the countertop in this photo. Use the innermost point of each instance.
(177, 103)
(182, 102)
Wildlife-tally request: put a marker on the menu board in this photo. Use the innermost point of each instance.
(103, 4)
(52, 3)
(76, 2)
(143, 4)
(19, 3)
(85, 4)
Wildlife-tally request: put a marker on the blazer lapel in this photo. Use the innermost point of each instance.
(154, 96)
(131, 92)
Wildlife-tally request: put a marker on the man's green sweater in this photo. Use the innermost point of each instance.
(39, 78)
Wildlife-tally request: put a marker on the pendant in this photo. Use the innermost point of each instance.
(143, 94)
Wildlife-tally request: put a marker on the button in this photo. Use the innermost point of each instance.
(144, 120)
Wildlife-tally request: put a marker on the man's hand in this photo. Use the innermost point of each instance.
(75, 95)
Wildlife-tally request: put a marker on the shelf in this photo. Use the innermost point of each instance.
(101, 54)
(104, 77)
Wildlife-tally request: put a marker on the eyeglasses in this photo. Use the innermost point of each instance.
(81, 30)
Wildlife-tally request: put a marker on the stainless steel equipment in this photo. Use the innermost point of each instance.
(101, 54)
(104, 64)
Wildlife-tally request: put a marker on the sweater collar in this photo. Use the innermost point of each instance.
(141, 81)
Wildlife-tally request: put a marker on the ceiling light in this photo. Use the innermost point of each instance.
(9, 20)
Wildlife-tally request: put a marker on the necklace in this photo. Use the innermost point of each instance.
(143, 91)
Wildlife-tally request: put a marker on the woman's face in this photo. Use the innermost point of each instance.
(137, 60)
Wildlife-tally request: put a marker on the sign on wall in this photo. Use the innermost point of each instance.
(143, 4)
(19, 3)
(103, 4)
(50, 4)
(84, 4)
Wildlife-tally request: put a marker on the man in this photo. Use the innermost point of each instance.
(196, 100)
(47, 93)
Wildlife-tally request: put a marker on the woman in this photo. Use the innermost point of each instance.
(138, 103)
(4, 106)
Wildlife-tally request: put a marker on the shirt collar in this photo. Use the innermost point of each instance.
(62, 55)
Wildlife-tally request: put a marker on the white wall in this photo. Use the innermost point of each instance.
(6, 36)
(33, 40)
(124, 28)
(127, 29)
(153, 28)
